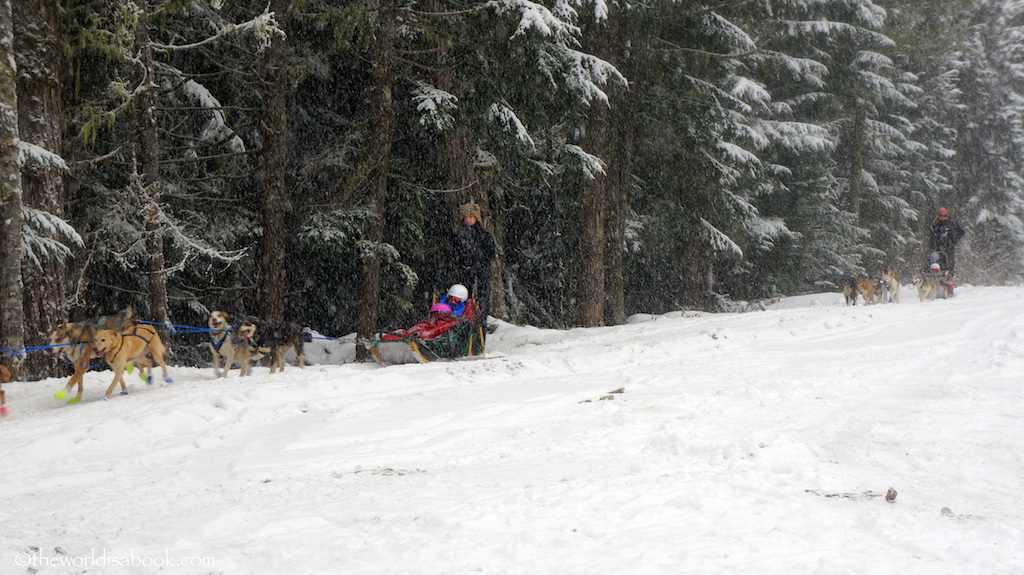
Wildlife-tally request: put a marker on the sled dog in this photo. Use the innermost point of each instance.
(5, 375)
(74, 341)
(890, 286)
(221, 345)
(929, 287)
(232, 344)
(277, 337)
(865, 287)
(120, 349)
(246, 349)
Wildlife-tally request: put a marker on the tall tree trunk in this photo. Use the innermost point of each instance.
(697, 278)
(602, 297)
(855, 149)
(592, 228)
(491, 204)
(273, 277)
(11, 311)
(150, 166)
(616, 203)
(381, 136)
(37, 49)
(459, 157)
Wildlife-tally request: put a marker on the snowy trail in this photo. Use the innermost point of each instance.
(743, 443)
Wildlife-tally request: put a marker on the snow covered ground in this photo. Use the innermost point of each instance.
(760, 443)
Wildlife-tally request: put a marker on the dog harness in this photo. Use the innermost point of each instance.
(65, 354)
(73, 351)
(135, 333)
(217, 344)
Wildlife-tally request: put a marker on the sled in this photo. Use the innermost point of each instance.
(440, 336)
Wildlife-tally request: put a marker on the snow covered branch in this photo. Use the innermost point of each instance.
(32, 153)
(264, 27)
(45, 237)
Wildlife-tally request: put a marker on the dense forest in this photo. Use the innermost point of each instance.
(305, 159)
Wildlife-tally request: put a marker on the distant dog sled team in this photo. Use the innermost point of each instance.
(934, 280)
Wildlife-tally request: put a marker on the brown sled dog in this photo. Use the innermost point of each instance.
(120, 349)
(74, 341)
(865, 287)
(246, 349)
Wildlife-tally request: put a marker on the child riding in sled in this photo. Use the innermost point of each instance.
(451, 329)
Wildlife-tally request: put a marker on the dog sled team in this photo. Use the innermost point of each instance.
(454, 327)
(121, 342)
(935, 279)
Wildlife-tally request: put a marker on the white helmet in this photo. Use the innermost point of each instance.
(459, 291)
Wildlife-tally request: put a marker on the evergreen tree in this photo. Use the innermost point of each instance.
(37, 47)
(696, 154)
(988, 189)
(930, 38)
(149, 206)
(844, 190)
(11, 311)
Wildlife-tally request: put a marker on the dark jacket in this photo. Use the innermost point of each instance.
(470, 253)
(944, 236)
(471, 250)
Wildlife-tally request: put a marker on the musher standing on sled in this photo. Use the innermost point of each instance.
(470, 253)
(945, 233)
